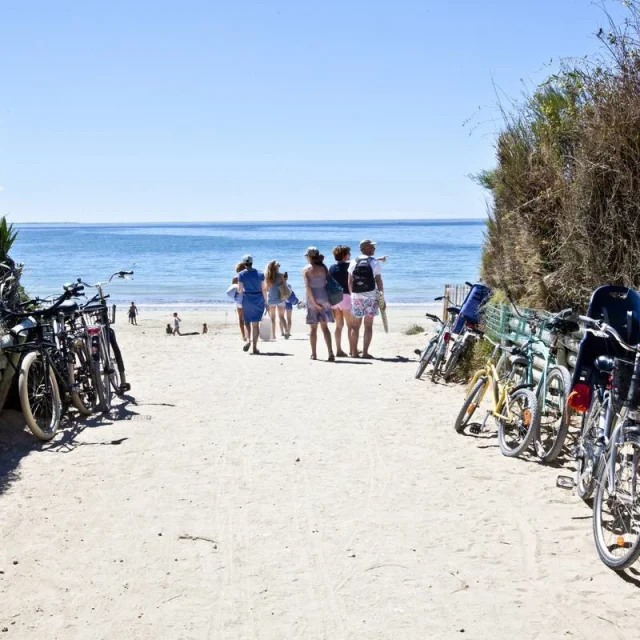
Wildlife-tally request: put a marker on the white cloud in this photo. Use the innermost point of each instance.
(1, 188)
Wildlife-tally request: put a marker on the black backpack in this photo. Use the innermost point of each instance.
(363, 279)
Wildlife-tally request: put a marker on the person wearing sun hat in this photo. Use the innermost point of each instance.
(252, 288)
(315, 276)
(367, 291)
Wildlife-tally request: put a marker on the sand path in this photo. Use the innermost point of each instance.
(275, 497)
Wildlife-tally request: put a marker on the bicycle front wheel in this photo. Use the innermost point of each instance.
(554, 417)
(616, 509)
(425, 358)
(39, 396)
(471, 404)
(518, 427)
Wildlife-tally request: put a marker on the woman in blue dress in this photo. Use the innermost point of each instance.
(251, 286)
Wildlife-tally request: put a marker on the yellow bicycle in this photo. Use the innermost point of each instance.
(514, 407)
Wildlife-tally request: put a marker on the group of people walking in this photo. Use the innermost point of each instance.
(350, 293)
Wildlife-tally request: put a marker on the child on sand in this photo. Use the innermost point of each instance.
(169, 330)
(232, 292)
(205, 329)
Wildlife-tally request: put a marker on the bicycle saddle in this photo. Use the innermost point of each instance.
(604, 364)
(453, 310)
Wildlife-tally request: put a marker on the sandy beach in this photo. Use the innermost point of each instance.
(235, 496)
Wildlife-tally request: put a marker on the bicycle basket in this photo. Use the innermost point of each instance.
(622, 373)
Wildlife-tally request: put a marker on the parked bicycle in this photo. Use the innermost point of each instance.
(537, 368)
(103, 345)
(465, 329)
(609, 452)
(436, 348)
(514, 408)
(47, 362)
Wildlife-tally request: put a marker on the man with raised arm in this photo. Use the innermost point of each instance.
(365, 284)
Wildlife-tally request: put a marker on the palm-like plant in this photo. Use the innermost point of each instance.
(8, 235)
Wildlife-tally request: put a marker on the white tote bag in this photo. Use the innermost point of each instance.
(265, 328)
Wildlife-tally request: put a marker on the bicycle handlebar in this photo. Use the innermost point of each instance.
(599, 326)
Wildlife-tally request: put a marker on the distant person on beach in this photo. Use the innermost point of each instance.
(274, 281)
(318, 306)
(342, 311)
(289, 304)
(366, 287)
(176, 325)
(251, 286)
(205, 329)
(168, 330)
(133, 314)
(233, 293)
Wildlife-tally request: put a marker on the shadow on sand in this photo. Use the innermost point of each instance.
(16, 442)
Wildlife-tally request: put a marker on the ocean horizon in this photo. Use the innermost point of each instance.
(192, 263)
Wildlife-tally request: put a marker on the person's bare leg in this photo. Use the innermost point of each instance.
(327, 338)
(272, 315)
(255, 330)
(241, 324)
(289, 318)
(348, 323)
(368, 334)
(355, 335)
(313, 339)
(339, 317)
(282, 320)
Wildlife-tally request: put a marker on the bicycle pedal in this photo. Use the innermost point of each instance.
(565, 482)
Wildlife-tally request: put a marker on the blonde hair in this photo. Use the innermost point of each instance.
(240, 267)
(271, 272)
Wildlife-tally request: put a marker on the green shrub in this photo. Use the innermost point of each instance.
(414, 330)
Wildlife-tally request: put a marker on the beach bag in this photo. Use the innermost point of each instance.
(265, 328)
(335, 291)
(363, 278)
(284, 290)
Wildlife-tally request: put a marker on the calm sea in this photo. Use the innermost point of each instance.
(192, 264)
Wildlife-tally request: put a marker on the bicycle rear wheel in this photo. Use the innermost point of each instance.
(586, 461)
(39, 396)
(516, 434)
(457, 350)
(83, 396)
(616, 509)
(555, 415)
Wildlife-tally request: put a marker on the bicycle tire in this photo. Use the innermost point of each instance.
(527, 429)
(437, 364)
(461, 423)
(586, 484)
(452, 362)
(32, 396)
(105, 375)
(425, 358)
(548, 454)
(606, 554)
(84, 366)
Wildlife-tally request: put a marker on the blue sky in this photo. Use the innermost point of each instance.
(289, 109)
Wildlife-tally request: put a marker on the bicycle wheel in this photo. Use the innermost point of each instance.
(554, 415)
(39, 396)
(425, 358)
(105, 374)
(470, 404)
(585, 455)
(83, 396)
(439, 359)
(454, 357)
(516, 433)
(616, 510)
